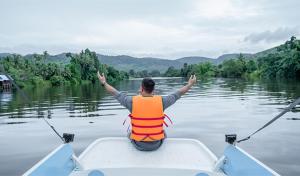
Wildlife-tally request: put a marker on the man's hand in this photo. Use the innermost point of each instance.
(108, 87)
(187, 87)
(192, 80)
(101, 77)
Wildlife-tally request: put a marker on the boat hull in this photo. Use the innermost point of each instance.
(117, 156)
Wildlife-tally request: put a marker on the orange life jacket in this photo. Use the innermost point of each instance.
(147, 118)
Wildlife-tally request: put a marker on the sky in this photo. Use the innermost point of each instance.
(147, 28)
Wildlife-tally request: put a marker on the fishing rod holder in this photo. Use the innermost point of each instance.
(68, 137)
(230, 138)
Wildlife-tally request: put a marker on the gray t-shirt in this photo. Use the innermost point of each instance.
(126, 101)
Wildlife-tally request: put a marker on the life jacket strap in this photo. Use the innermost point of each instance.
(155, 118)
(148, 126)
(147, 134)
(165, 115)
(139, 118)
(166, 124)
(149, 138)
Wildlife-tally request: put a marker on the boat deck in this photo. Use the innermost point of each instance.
(176, 157)
(114, 156)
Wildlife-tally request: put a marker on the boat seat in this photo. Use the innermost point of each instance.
(117, 156)
(175, 153)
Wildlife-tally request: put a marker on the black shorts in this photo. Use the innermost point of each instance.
(147, 145)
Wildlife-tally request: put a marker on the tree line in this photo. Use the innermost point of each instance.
(36, 71)
(284, 62)
(144, 73)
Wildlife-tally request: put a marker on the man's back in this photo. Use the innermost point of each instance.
(147, 112)
(126, 100)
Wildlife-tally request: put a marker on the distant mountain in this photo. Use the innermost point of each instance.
(266, 52)
(59, 58)
(4, 54)
(127, 62)
(195, 59)
(224, 57)
(124, 62)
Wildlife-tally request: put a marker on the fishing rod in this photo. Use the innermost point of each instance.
(66, 138)
(231, 138)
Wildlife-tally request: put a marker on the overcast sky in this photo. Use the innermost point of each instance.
(157, 28)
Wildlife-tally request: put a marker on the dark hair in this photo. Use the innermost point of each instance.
(148, 85)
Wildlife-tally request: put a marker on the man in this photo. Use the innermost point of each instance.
(147, 111)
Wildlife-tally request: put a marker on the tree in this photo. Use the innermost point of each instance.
(35, 70)
(154, 73)
(283, 64)
(131, 73)
(85, 65)
(145, 73)
(251, 66)
(172, 72)
(204, 70)
(186, 70)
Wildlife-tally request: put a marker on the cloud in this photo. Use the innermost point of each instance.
(272, 36)
(222, 9)
(168, 28)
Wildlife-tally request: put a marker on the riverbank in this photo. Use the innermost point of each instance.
(36, 71)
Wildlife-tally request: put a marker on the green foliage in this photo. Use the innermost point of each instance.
(283, 64)
(204, 70)
(85, 65)
(131, 73)
(36, 80)
(234, 68)
(115, 75)
(139, 74)
(186, 70)
(20, 69)
(35, 71)
(144, 73)
(172, 72)
(57, 80)
(251, 66)
(155, 73)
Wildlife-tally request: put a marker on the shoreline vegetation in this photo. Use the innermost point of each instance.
(283, 63)
(81, 69)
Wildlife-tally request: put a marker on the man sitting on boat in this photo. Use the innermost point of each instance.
(147, 111)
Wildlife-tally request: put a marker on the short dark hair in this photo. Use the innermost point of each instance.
(148, 85)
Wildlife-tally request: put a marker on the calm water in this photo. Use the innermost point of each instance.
(210, 110)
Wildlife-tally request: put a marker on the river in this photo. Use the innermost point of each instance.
(210, 110)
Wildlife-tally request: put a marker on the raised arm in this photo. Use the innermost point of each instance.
(108, 87)
(172, 98)
(187, 87)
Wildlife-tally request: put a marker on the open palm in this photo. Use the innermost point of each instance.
(101, 77)
(192, 80)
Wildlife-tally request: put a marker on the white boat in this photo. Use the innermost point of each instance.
(176, 157)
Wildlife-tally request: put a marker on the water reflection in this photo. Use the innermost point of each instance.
(5, 98)
(211, 109)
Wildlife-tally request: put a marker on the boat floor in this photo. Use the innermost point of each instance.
(116, 156)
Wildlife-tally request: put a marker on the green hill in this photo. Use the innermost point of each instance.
(124, 62)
